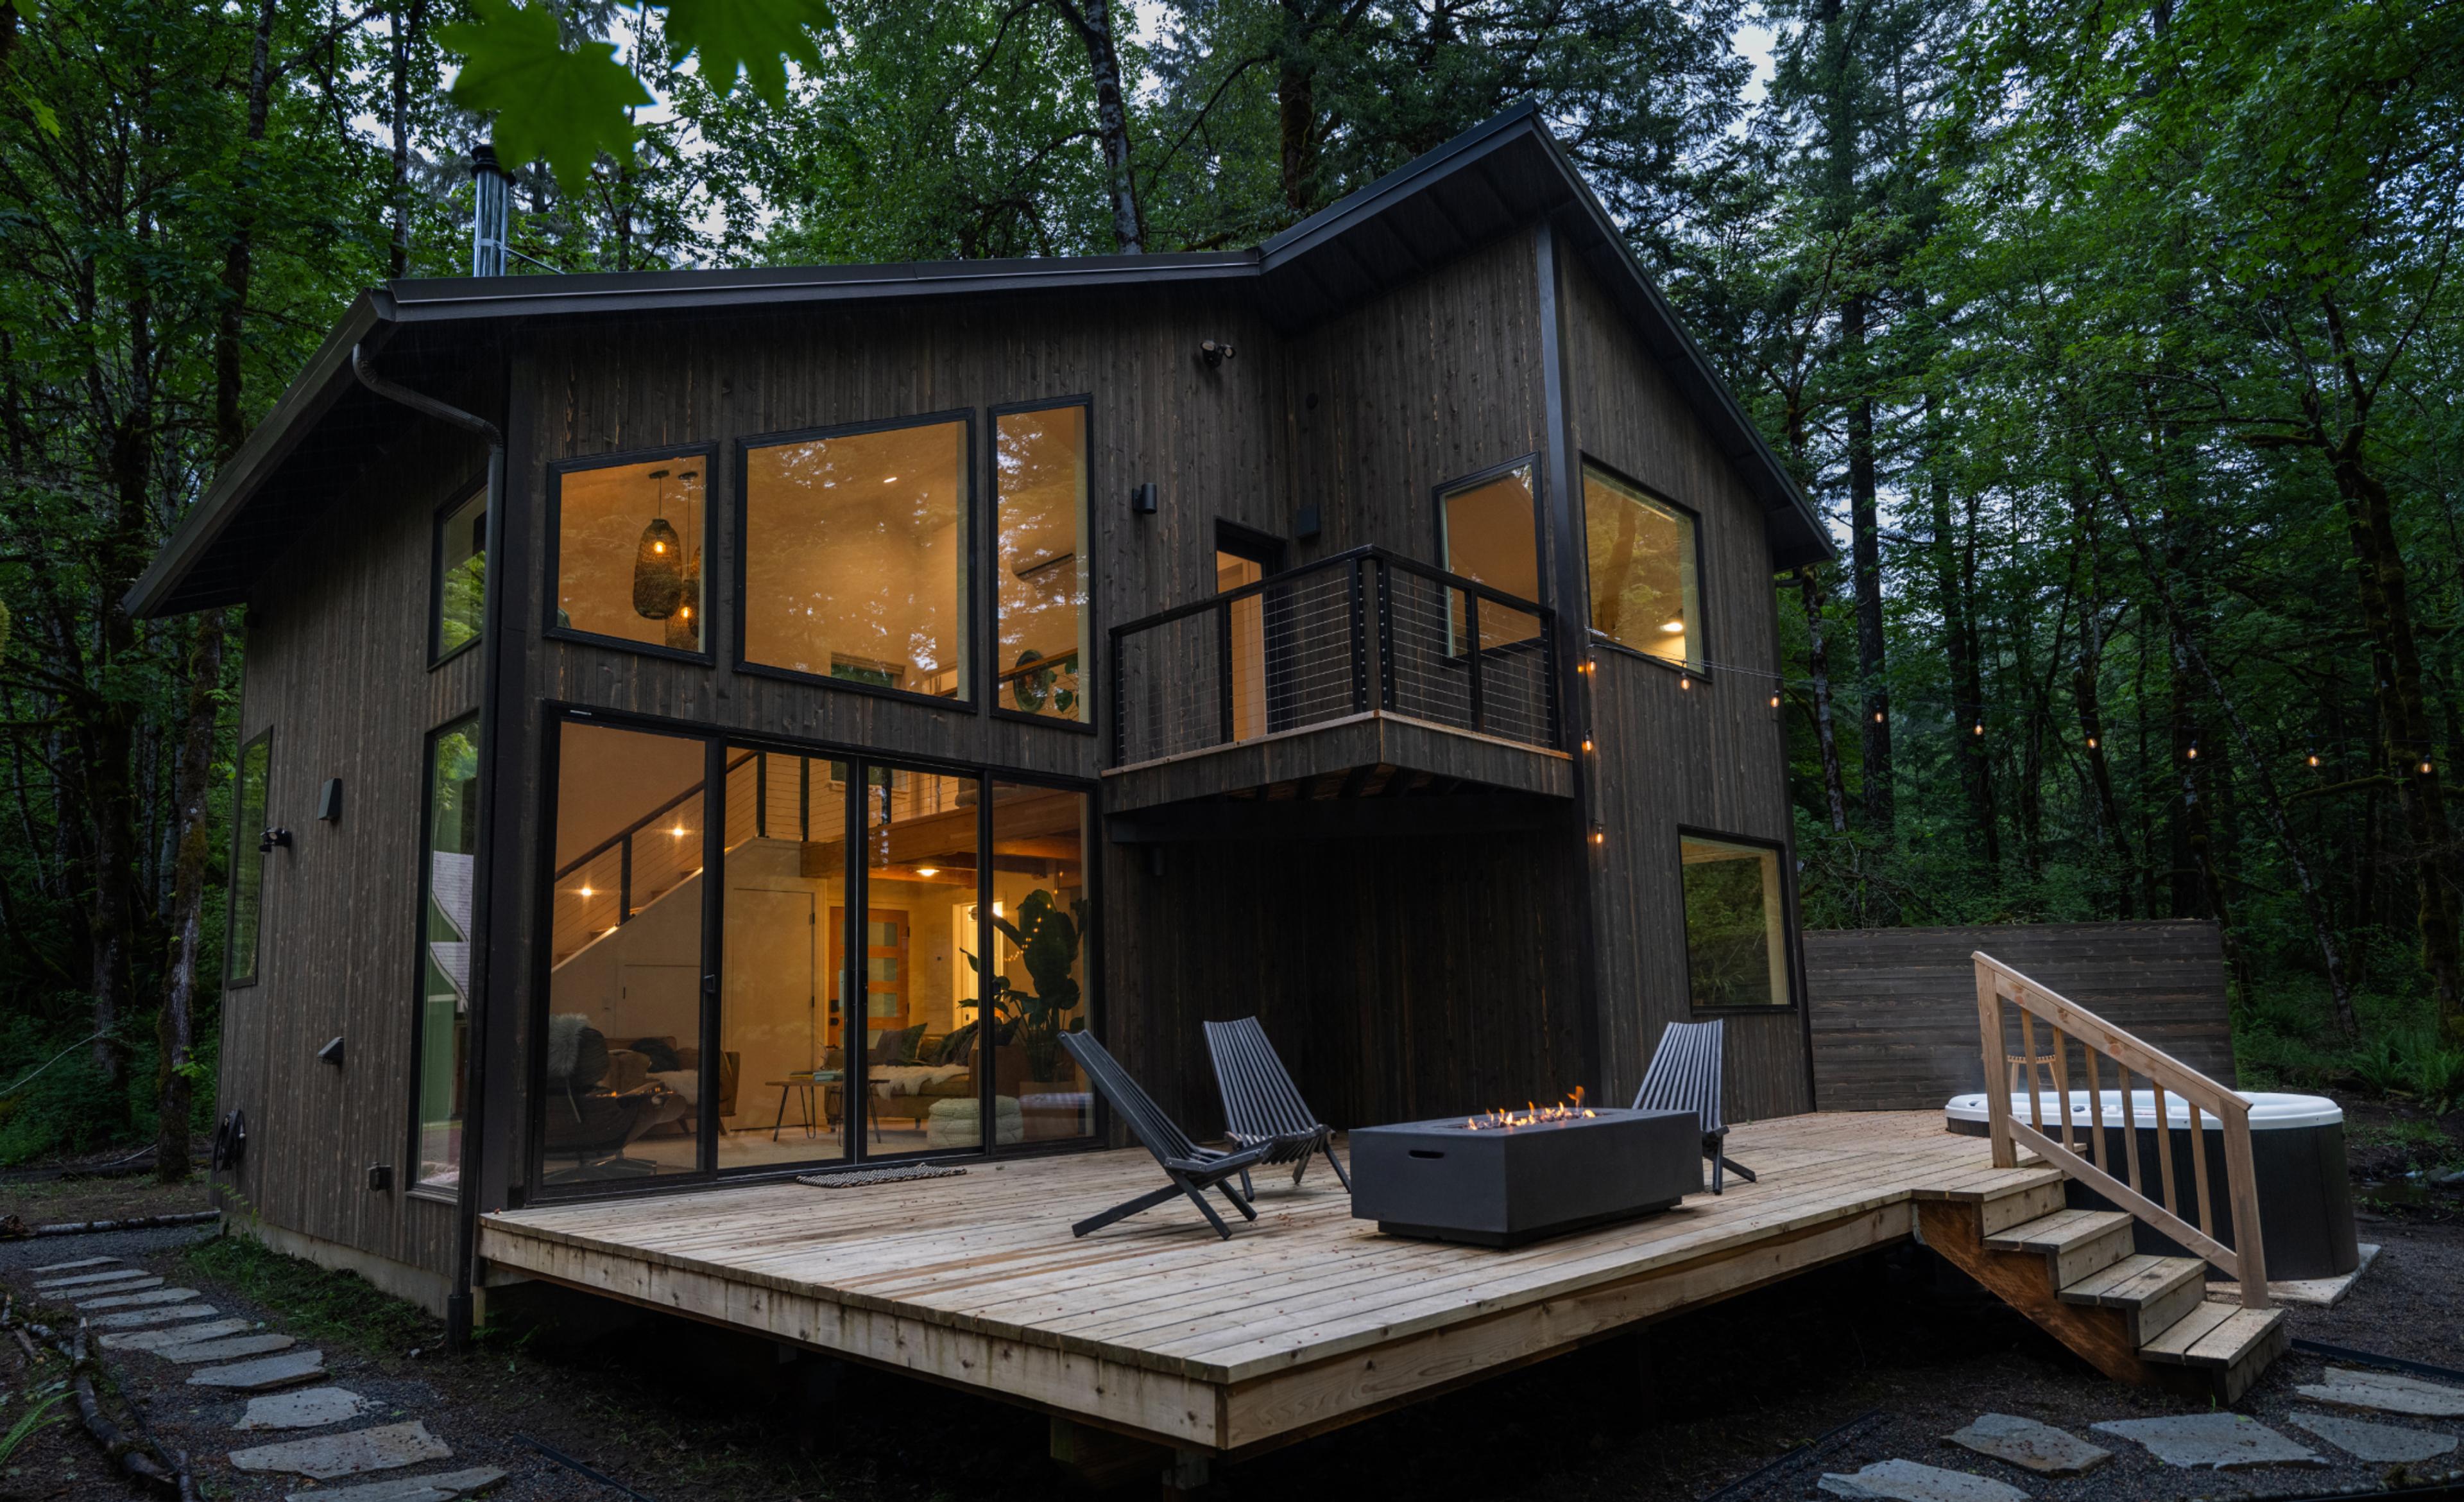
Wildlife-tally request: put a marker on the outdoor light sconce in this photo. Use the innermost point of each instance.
(329, 802)
(332, 1053)
(380, 1176)
(272, 836)
(1142, 500)
(1306, 525)
(1216, 353)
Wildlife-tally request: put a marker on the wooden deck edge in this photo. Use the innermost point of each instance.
(1282, 1407)
(1173, 1410)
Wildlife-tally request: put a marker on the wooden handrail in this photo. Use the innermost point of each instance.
(2101, 1042)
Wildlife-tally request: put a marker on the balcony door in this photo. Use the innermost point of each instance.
(1244, 558)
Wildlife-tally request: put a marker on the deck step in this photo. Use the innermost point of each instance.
(2217, 1335)
(2018, 1206)
(2075, 1243)
(2154, 1291)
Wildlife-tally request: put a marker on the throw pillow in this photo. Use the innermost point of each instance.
(661, 1053)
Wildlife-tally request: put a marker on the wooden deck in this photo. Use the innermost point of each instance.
(1304, 1322)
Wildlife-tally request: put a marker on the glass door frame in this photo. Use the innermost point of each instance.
(718, 742)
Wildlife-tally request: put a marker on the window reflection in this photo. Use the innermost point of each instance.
(855, 558)
(461, 574)
(1736, 929)
(629, 541)
(1491, 536)
(445, 948)
(1644, 589)
(1040, 461)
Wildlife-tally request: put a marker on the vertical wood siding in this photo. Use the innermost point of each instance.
(1709, 758)
(337, 666)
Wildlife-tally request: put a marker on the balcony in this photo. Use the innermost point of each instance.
(1362, 676)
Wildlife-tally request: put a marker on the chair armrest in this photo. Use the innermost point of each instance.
(1219, 1163)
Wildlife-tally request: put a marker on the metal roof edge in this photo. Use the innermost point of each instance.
(1361, 204)
(267, 445)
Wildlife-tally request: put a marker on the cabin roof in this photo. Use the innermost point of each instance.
(1505, 172)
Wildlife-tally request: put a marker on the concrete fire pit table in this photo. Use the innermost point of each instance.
(1501, 1181)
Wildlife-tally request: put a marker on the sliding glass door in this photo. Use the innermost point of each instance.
(821, 998)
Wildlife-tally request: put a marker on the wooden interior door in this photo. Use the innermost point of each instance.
(888, 988)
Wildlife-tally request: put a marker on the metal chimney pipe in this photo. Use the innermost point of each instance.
(489, 210)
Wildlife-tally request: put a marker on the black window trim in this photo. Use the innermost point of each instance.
(557, 471)
(1785, 850)
(721, 739)
(1698, 668)
(461, 496)
(411, 1185)
(1093, 631)
(969, 700)
(240, 833)
(1457, 484)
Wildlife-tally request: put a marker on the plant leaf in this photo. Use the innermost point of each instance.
(564, 105)
(758, 36)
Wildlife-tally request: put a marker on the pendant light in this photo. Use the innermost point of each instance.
(658, 562)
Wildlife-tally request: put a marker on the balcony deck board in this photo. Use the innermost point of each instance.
(1155, 1327)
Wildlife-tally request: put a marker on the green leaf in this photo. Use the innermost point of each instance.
(758, 36)
(566, 106)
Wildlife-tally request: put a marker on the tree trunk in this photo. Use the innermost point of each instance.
(1092, 21)
(1817, 663)
(1865, 550)
(1967, 681)
(193, 872)
(1296, 122)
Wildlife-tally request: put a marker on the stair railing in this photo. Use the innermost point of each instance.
(2100, 1042)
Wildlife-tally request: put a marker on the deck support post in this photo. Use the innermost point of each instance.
(1188, 1475)
(1103, 1458)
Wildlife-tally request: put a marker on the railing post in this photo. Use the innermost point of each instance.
(1548, 679)
(1385, 636)
(2241, 1187)
(1471, 654)
(1359, 639)
(1997, 1091)
(1224, 664)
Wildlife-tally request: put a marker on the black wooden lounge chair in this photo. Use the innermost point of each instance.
(1685, 1076)
(1262, 1106)
(1191, 1169)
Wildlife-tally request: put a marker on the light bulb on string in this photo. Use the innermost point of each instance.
(2091, 742)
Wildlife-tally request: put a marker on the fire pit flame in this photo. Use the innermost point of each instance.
(1571, 1109)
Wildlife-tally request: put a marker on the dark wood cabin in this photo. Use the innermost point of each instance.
(1371, 631)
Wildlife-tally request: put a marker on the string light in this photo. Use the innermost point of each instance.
(1877, 716)
(2091, 742)
(1586, 743)
(2313, 759)
(1980, 728)
(1774, 701)
(1599, 836)
(1683, 681)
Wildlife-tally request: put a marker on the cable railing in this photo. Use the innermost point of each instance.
(1364, 630)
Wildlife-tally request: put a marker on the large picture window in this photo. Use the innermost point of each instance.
(855, 557)
(630, 540)
(1039, 529)
(1645, 594)
(247, 889)
(445, 951)
(1736, 924)
(461, 575)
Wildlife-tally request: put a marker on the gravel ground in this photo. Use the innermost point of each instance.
(682, 1413)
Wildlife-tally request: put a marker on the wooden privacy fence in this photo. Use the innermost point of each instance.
(2099, 1042)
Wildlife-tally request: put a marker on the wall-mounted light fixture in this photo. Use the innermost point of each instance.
(1215, 352)
(1307, 524)
(380, 1176)
(329, 802)
(1142, 500)
(271, 836)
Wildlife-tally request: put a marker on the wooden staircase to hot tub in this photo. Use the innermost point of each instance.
(2136, 1318)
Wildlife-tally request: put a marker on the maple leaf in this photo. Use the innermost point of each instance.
(758, 36)
(563, 105)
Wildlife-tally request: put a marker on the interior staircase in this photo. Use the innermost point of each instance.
(2135, 1317)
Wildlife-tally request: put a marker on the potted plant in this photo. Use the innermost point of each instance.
(1027, 1022)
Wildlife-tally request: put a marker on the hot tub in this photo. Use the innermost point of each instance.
(2296, 1148)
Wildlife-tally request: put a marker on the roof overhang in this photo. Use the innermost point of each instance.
(1497, 176)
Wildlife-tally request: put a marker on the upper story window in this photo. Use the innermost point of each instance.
(1643, 566)
(1489, 532)
(247, 897)
(461, 575)
(631, 538)
(1040, 560)
(855, 556)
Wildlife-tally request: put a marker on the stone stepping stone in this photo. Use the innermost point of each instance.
(2385, 1444)
(389, 1446)
(265, 1375)
(160, 1295)
(140, 1318)
(88, 1280)
(1906, 1480)
(2032, 1445)
(157, 1339)
(2218, 1441)
(226, 1350)
(444, 1486)
(2389, 1392)
(309, 1409)
(78, 1266)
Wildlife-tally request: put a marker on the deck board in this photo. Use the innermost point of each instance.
(1305, 1319)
